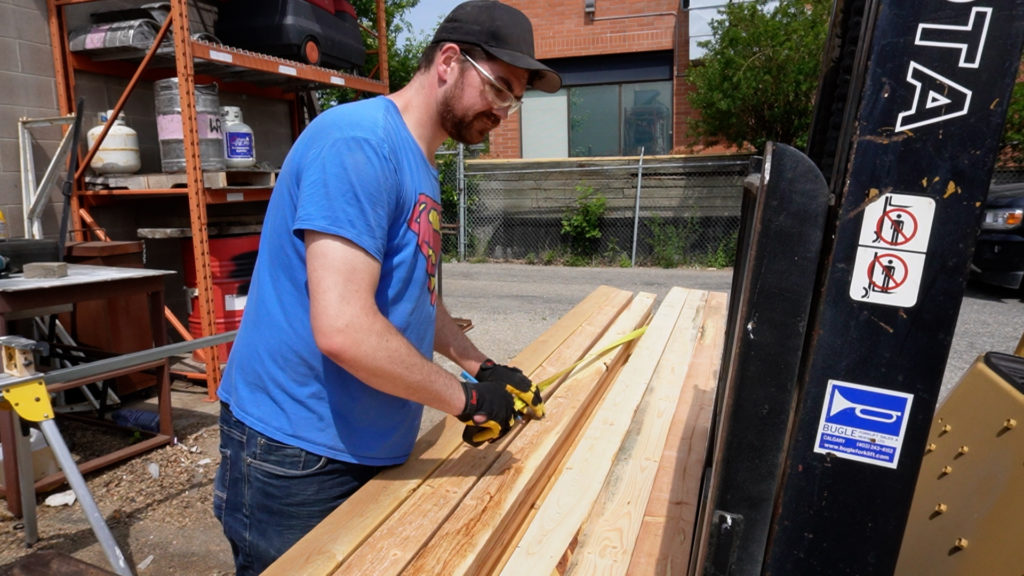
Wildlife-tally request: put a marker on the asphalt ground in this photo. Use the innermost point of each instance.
(510, 305)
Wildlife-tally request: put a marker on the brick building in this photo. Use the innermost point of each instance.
(623, 64)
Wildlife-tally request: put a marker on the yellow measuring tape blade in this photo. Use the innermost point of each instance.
(30, 400)
(521, 405)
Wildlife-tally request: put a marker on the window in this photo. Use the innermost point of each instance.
(593, 121)
(646, 118)
(609, 105)
(545, 130)
(620, 119)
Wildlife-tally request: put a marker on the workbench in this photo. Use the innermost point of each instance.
(22, 297)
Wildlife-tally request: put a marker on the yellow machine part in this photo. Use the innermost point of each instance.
(969, 501)
(30, 400)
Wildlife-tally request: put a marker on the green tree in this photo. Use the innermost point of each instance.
(758, 77)
(403, 56)
(1012, 143)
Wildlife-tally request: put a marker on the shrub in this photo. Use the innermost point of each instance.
(581, 223)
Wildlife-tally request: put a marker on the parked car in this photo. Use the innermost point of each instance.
(999, 253)
(319, 32)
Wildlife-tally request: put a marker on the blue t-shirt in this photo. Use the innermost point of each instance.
(355, 172)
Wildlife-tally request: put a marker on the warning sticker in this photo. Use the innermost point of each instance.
(890, 258)
(863, 423)
(887, 277)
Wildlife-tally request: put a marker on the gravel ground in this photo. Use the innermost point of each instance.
(164, 524)
(156, 504)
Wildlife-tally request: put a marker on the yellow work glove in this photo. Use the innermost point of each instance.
(489, 412)
(528, 401)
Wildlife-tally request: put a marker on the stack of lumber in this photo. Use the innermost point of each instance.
(606, 483)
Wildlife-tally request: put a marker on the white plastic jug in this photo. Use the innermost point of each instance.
(239, 143)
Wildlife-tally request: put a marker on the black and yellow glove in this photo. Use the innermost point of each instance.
(495, 406)
(528, 399)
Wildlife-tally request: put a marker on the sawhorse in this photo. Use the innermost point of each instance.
(27, 396)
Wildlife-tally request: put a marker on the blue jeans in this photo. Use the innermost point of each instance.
(268, 495)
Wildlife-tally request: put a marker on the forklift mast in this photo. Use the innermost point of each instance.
(850, 274)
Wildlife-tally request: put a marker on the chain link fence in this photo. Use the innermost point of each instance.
(655, 211)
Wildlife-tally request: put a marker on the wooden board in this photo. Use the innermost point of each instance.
(390, 548)
(334, 539)
(569, 501)
(607, 540)
(666, 535)
(465, 543)
(328, 544)
(632, 458)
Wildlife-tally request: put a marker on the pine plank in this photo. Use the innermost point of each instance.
(607, 538)
(569, 501)
(536, 352)
(490, 514)
(320, 551)
(666, 535)
(395, 542)
(333, 540)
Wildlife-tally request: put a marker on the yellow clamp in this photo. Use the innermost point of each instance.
(523, 408)
(30, 400)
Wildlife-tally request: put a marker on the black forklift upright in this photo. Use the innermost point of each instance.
(926, 126)
(906, 131)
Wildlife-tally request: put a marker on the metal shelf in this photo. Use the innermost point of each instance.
(232, 65)
(192, 60)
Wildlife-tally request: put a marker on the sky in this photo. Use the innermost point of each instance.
(428, 13)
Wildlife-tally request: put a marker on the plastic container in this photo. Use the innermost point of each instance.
(232, 259)
(239, 143)
(43, 461)
(119, 151)
(319, 32)
(170, 130)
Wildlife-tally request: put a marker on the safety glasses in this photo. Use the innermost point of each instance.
(499, 96)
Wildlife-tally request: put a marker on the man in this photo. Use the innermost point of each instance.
(332, 364)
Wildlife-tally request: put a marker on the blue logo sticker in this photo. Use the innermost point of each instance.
(863, 423)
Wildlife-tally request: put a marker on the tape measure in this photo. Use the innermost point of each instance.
(520, 404)
(586, 359)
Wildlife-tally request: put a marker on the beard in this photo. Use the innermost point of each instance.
(468, 129)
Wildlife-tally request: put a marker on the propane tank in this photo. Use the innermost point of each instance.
(119, 151)
(239, 144)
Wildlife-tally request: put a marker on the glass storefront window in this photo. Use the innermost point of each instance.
(593, 121)
(646, 118)
(619, 119)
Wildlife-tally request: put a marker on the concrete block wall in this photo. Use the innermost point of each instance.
(517, 205)
(672, 185)
(29, 91)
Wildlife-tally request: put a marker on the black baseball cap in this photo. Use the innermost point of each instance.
(503, 32)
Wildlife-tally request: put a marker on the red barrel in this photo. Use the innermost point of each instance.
(232, 259)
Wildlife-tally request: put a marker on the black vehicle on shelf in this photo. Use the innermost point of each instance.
(320, 32)
(999, 252)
